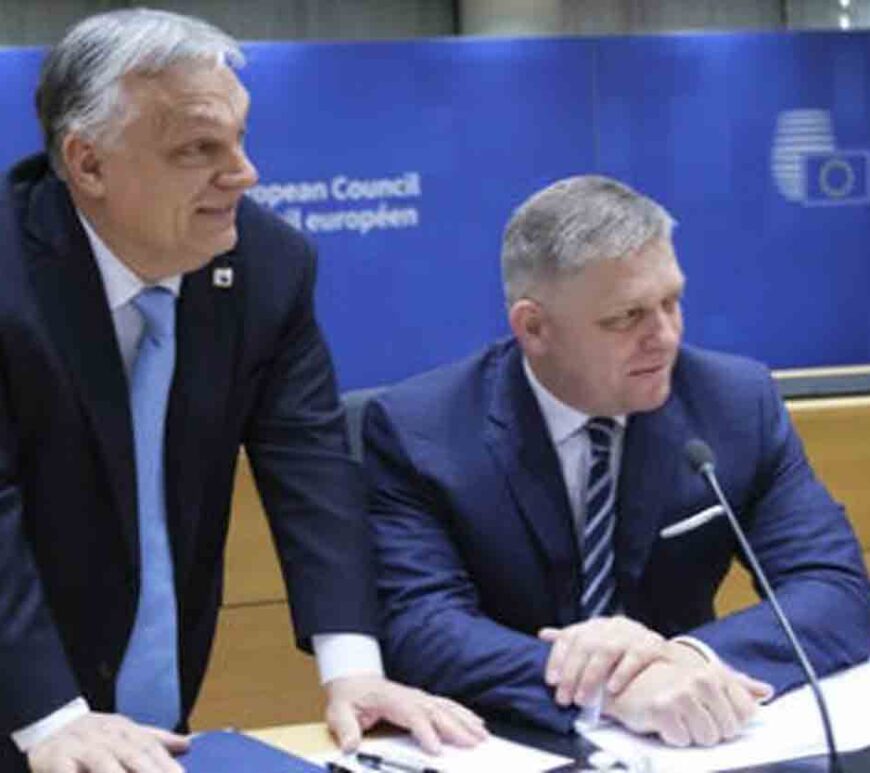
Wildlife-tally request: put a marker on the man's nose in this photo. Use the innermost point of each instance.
(663, 327)
(241, 173)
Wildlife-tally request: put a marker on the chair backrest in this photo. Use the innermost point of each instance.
(355, 402)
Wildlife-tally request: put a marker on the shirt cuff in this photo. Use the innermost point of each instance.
(31, 735)
(704, 650)
(346, 654)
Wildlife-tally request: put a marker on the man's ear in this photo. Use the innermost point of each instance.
(529, 324)
(82, 166)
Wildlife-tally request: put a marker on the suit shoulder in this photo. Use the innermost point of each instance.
(720, 375)
(439, 397)
(262, 232)
(279, 263)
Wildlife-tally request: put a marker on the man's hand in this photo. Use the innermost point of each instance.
(107, 743)
(602, 653)
(687, 700)
(356, 703)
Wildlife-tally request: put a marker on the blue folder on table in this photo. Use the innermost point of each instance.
(228, 752)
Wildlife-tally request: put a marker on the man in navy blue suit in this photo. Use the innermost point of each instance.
(518, 497)
(151, 320)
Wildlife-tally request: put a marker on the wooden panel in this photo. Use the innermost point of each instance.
(306, 740)
(252, 573)
(256, 676)
(836, 435)
(736, 592)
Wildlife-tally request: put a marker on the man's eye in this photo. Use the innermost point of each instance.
(670, 304)
(624, 320)
(197, 148)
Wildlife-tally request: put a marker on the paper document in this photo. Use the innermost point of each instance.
(493, 754)
(788, 728)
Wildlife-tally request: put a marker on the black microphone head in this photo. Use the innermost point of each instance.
(699, 454)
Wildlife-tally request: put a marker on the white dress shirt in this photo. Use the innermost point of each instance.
(336, 654)
(564, 425)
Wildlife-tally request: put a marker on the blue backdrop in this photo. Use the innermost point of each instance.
(402, 161)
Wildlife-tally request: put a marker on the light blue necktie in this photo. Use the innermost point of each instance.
(147, 689)
(599, 578)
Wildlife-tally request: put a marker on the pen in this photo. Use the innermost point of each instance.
(377, 762)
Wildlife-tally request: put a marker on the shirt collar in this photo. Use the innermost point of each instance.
(562, 420)
(122, 284)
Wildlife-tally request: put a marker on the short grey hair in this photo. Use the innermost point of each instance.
(559, 229)
(80, 87)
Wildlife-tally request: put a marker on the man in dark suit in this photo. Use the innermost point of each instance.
(517, 498)
(151, 320)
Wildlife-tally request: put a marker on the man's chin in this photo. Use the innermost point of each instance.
(225, 241)
(650, 400)
(215, 247)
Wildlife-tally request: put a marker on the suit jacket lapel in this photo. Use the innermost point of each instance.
(72, 300)
(518, 439)
(73, 303)
(652, 461)
(207, 323)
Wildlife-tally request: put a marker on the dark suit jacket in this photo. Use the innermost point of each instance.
(252, 368)
(477, 552)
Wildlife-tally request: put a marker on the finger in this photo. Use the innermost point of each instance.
(143, 760)
(627, 668)
(633, 663)
(671, 728)
(452, 728)
(571, 670)
(742, 700)
(42, 761)
(140, 747)
(473, 723)
(591, 679)
(173, 742)
(422, 728)
(717, 702)
(549, 634)
(63, 766)
(343, 724)
(96, 760)
(555, 661)
(161, 758)
(761, 691)
(702, 728)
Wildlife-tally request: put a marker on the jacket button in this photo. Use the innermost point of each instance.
(105, 671)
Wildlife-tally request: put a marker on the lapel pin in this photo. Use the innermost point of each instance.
(222, 277)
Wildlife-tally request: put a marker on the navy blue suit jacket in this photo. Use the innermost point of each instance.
(252, 368)
(477, 551)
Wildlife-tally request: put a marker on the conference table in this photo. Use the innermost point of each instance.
(308, 739)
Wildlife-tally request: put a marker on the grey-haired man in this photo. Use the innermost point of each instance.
(151, 321)
(518, 497)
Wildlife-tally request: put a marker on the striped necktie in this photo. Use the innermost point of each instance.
(599, 580)
(148, 686)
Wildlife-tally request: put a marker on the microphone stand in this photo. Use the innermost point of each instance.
(706, 471)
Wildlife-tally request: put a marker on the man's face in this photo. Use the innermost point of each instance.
(167, 187)
(610, 334)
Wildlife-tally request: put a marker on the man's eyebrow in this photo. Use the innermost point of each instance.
(200, 115)
(180, 123)
(637, 301)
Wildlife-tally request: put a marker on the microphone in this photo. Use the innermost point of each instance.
(700, 457)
